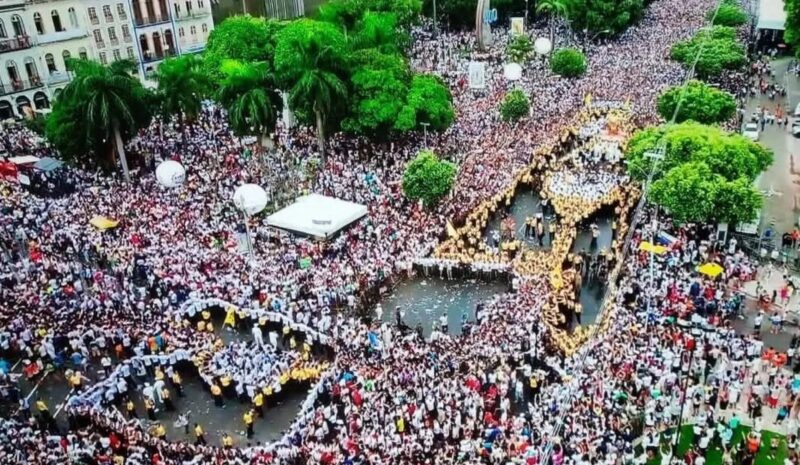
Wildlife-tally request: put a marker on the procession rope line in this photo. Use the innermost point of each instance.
(591, 340)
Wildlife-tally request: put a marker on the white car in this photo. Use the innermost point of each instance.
(796, 128)
(750, 131)
(797, 111)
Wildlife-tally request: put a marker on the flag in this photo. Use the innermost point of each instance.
(374, 342)
(230, 317)
(451, 231)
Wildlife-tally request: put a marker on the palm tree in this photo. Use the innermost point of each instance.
(553, 8)
(310, 60)
(181, 86)
(111, 100)
(248, 94)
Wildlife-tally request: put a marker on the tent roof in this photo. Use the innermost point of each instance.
(771, 15)
(317, 215)
(48, 164)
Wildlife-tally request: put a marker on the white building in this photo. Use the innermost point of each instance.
(37, 37)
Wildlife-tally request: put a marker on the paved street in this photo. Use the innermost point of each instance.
(780, 207)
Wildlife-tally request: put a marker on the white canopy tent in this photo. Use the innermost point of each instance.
(771, 15)
(317, 215)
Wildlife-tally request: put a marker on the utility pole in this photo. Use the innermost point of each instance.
(435, 22)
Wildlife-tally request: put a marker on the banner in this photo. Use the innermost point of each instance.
(477, 75)
(517, 26)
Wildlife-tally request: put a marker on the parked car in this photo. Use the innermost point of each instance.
(796, 127)
(797, 111)
(750, 131)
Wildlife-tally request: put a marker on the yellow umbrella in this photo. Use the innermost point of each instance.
(652, 248)
(102, 223)
(711, 269)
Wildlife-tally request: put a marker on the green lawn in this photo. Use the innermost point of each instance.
(714, 455)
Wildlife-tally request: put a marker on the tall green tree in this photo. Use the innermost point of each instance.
(429, 101)
(379, 91)
(379, 31)
(249, 95)
(698, 101)
(595, 16)
(731, 156)
(718, 48)
(347, 13)
(554, 9)
(106, 105)
(729, 14)
(791, 34)
(182, 84)
(427, 178)
(310, 60)
(242, 38)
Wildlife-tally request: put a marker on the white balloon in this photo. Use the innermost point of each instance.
(542, 45)
(170, 173)
(512, 71)
(250, 198)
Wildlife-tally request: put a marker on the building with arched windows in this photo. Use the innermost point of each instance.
(38, 38)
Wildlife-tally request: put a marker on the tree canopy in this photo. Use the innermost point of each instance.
(729, 14)
(182, 84)
(721, 51)
(519, 49)
(568, 62)
(699, 102)
(429, 101)
(732, 156)
(248, 93)
(515, 105)
(242, 38)
(791, 35)
(427, 178)
(380, 87)
(99, 108)
(706, 174)
(691, 192)
(347, 13)
(604, 15)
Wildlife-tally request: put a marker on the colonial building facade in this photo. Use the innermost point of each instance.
(38, 37)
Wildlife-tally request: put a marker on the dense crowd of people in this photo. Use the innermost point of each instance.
(73, 296)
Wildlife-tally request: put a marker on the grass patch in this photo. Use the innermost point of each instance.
(714, 453)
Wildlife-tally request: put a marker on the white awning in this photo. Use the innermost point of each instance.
(317, 215)
(771, 15)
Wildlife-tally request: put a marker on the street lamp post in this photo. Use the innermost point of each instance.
(435, 21)
(425, 133)
(250, 199)
(526, 16)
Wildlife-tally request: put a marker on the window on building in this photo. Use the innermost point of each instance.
(16, 24)
(112, 34)
(200, 4)
(98, 36)
(131, 56)
(3, 29)
(121, 11)
(181, 33)
(188, 7)
(37, 21)
(177, 8)
(51, 63)
(192, 30)
(73, 18)
(107, 13)
(126, 33)
(66, 56)
(117, 55)
(204, 27)
(93, 15)
(103, 58)
(57, 26)
(82, 54)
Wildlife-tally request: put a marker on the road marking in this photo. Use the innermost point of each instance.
(33, 391)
